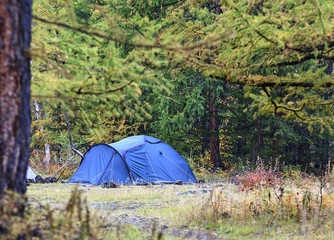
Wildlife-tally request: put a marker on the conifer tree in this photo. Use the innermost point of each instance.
(15, 36)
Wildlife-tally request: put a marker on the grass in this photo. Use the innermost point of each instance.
(128, 212)
(222, 210)
(265, 204)
(157, 201)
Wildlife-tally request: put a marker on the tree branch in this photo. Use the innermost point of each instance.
(79, 92)
(272, 83)
(122, 41)
(70, 137)
(295, 111)
(304, 59)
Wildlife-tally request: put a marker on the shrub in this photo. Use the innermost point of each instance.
(260, 177)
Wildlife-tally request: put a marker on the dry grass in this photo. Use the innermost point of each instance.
(157, 201)
(289, 211)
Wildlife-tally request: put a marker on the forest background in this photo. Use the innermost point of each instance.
(225, 83)
(239, 86)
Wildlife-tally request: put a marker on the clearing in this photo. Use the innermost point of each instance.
(195, 211)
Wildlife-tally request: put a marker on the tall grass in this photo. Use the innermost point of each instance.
(74, 220)
(267, 202)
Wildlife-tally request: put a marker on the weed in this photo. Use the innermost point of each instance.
(72, 222)
(270, 207)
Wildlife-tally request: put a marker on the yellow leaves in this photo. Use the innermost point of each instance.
(220, 196)
(327, 202)
(329, 225)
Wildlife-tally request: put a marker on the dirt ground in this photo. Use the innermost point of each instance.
(161, 208)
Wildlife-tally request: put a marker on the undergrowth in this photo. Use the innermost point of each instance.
(260, 177)
(266, 203)
(73, 221)
(271, 201)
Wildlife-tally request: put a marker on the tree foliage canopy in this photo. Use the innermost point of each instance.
(148, 66)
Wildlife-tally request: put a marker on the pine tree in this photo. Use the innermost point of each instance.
(15, 36)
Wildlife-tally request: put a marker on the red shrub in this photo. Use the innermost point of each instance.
(260, 177)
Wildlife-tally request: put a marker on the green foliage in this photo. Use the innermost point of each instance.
(176, 115)
(98, 82)
(147, 67)
(83, 71)
(266, 43)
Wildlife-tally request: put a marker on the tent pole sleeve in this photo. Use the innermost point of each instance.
(112, 157)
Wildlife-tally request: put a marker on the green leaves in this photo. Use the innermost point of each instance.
(130, 64)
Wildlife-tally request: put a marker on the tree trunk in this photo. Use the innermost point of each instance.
(259, 137)
(15, 37)
(276, 139)
(214, 133)
(239, 147)
(47, 157)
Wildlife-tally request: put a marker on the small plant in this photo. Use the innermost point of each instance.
(72, 222)
(260, 177)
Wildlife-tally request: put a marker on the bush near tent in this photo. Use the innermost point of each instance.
(133, 160)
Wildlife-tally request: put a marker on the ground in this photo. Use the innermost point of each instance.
(194, 211)
(166, 206)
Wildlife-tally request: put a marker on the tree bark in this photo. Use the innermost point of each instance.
(276, 139)
(214, 124)
(259, 137)
(240, 144)
(47, 157)
(15, 38)
(214, 132)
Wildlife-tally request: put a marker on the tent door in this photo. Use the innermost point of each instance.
(112, 157)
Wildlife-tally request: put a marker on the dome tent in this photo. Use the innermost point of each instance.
(102, 163)
(151, 160)
(137, 159)
(30, 174)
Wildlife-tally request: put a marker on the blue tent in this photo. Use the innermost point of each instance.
(133, 160)
(102, 163)
(30, 174)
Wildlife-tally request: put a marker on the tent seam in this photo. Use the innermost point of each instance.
(151, 166)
